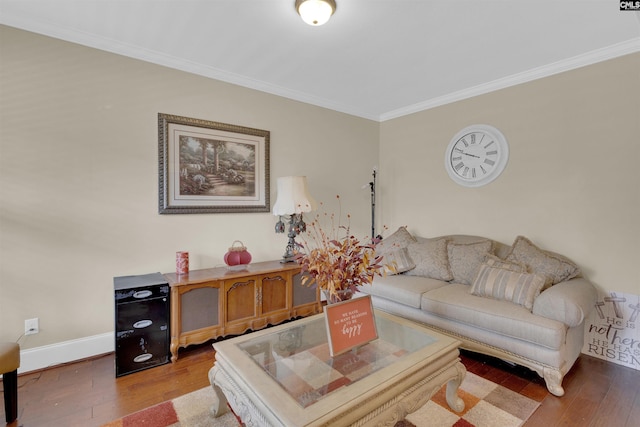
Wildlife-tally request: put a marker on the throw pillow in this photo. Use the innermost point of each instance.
(400, 238)
(400, 259)
(430, 257)
(495, 261)
(388, 248)
(556, 269)
(465, 259)
(506, 285)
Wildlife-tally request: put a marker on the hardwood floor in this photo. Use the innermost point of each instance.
(86, 393)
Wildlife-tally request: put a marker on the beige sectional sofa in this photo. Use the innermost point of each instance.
(518, 303)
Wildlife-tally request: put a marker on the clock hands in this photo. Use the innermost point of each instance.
(470, 155)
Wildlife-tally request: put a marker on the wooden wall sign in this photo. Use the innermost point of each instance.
(350, 324)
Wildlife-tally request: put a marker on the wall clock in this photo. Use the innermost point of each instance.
(476, 155)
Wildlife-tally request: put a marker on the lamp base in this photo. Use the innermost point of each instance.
(289, 255)
(296, 226)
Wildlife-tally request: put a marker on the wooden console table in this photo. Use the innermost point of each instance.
(216, 302)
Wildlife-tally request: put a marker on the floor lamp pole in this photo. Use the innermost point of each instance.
(372, 184)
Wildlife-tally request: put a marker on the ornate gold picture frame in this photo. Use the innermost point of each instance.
(211, 167)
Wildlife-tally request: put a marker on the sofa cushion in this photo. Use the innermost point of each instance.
(430, 256)
(507, 285)
(554, 267)
(454, 302)
(401, 288)
(465, 259)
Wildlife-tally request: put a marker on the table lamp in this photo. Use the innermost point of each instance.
(292, 200)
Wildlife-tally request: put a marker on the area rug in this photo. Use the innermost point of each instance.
(190, 410)
(487, 404)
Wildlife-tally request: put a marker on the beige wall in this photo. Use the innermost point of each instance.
(78, 174)
(572, 181)
(79, 178)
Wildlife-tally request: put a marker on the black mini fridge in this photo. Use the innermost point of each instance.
(142, 322)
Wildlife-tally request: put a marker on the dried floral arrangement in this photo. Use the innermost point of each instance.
(334, 259)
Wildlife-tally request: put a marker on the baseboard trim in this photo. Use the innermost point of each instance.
(37, 358)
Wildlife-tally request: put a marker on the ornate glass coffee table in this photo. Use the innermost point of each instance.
(284, 376)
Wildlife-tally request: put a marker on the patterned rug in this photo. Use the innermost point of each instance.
(487, 404)
(190, 410)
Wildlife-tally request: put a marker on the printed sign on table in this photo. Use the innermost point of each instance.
(350, 324)
(612, 331)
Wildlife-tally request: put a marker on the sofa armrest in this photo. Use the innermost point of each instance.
(569, 302)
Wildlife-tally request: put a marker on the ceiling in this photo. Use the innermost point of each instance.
(376, 59)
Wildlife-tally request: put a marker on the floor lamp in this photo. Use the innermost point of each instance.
(372, 186)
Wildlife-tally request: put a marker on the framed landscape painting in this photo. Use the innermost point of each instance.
(210, 167)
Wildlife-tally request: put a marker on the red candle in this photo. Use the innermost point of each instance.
(182, 262)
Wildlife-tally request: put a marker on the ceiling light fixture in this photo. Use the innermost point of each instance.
(315, 12)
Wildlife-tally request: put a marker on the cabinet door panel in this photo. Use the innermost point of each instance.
(199, 309)
(303, 294)
(241, 299)
(274, 294)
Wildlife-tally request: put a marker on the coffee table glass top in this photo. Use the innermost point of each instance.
(297, 357)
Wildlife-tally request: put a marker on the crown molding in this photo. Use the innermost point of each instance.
(593, 57)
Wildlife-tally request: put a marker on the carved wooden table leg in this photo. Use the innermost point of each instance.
(220, 406)
(454, 401)
(173, 348)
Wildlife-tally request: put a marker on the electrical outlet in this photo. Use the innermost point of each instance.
(31, 326)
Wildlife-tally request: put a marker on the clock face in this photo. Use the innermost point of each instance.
(476, 155)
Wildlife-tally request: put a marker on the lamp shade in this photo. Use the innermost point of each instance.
(293, 196)
(315, 12)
